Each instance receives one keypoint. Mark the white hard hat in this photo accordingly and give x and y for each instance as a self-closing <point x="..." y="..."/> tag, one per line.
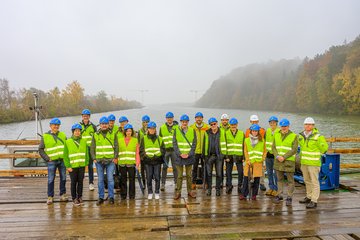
<point x="309" y="120"/>
<point x="254" y="118"/>
<point x="224" y="116"/>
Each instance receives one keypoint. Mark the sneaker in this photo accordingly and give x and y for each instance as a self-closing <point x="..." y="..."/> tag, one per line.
<point x="217" y="192"/>
<point x="242" y="197"/>
<point x="123" y="197"/>
<point x="76" y="202"/>
<point x="49" y="201"/>
<point x="177" y="196"/>
<point x="208" y="193"/>
<point x="306" y="200"/>
<point x="111" y="201"/>
<point x="274" y="193"/>
<point x="269" y="192"/>
<point x="150" y="196"/>
<point x="162" y="188"/>
<point x="262" y="187"/>
<point x="311" y="205"/>
<point x="253" y="198"/>
<point x="63" y="198"/>
<point x="288" y="201"/>
<point x="91" y="187"/>
<point x="229" y="189"/>
<point x="192" y="194"/>
<point x="81" y="201"/>
<point x="157" y="196"/>
<point x="239" y="190"/>
<point x="278" y="199"/>
<point x="100" y="201"/>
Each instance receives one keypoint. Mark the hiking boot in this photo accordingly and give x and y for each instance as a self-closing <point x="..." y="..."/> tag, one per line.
<point x="64" y="198"/>
<point x="253" y="198"/>
<point x="81" y="201"/>
<point x="229" y="189"/>
<point x="311" y="205"/>
<point x="262" y="187"/>
<point x="193" y="186"/>
<point x="217" y="192"/>
<point x="76" y="202"/>
<point x="99" y="201"/>
<point x="269" y="192"/>
<point x="111" y="201"/>
<point x="288" y="201"/>
<point x="274" y="193"/>
<point x="192" y="194"/>
<point x="123" y="197"/>
<point x="239" y="190"/>
<point x="50" y="200"/>
<point x="150" y="196"/>
<point x="208" y="193"/>
<point x="306" y="200"/>
<point x="162" y="188"/>
<point x="177" y="196"/>
<point x="242" y="197"/>
<point x="91" y="187"/>
<point x="277" y="199"/>
<point x="157" y="196"/>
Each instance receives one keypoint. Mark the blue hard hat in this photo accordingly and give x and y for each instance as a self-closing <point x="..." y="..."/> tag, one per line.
<point x="145" y="118"/>
<point x="128" y="126"/>
<point x="85" y="112"/>
<point x="273" y="118"/>
<point x="151" y="125"/>
<point x="255" y="127"/>
<point x="55" y="121"/>
<point x="104" y="119"/>
<point x="284" y="122"/>
<point x="211" y="120"/>
<point x="199" y="114"/>
<point x="184" y="118"/>
<point x="233" y="121"/>
<point x="76" y="126"/>
<point x="111" y="117"/>
<point x="123" y="119"/>
<point x="169" y="115"/>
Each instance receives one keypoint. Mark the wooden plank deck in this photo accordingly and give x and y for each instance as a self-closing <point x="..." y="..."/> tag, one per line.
<point x="25" y="215"/>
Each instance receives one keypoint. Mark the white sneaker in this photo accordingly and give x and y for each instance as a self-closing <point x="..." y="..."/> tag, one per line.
<point x="91" y="187"/>
<point x="63" y="198"/>
<point x="157" y="196"/>
<point x="150" y="195"/>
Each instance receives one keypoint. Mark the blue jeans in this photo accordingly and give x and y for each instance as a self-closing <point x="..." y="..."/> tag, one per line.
<point x="52" y="166"/>
<point x="110" y="168"/>
<point x="269" y="162"/>
<point x="153" y="172"/>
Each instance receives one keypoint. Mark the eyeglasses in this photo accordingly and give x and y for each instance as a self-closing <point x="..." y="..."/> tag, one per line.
<point x="213" y="124"/>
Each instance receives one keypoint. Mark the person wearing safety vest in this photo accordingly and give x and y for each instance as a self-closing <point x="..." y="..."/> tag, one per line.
<point x="269" y="162"/>
<point x="105" y="150"/>
<point x="312" y="146"/>
<point x="166" y="133"/>
<point x="140" y="135"/>
<point x="235" y="145"/>
<point x="254" y="119"/>
<point x="129" y="158"/>
<point x="184" y="143"/>
<point x="225" y="126"/>
<point x="122" y="121"/>
<point x="255" y="153"/>
<point x="214" y="151"/>
<point x="151" y="152"/>
<point x="112" y="126"/>
<point x="88" y="130"/>
<point x="284" y="148"/>
<point x="76" y="157"/>
<point x="200" y="128"/>
<point x="51" y="149"/>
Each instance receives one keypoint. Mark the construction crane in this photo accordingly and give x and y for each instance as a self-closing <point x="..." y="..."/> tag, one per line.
<point x="142" y="91"/>
<point x="195" y="93"/>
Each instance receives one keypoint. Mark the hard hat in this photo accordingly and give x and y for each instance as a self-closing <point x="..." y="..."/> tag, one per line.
<point x="128" y="126"/>
<point x="255" y="127"/>
<point x="85" y="112"/>
<point x="224" y="116"/>
<point x="76" y="126"/>
<point x="55" y="121"/>
<point x="169" y="115"/>
<point x="254" y="118"/>
<point x="123" y="119"/>
<point x="104" y="120"/>
<point x="284" y="122"/>
<point x="233" y="121"/>
<point x="145" y="118"/>
<point x="199" y="114"/>
<point x="211" y="120"/>
<point x="184" y="118"/>
<point x="111" y="117"/>
<point x="273" y="118"/>
<point x="151" y="125"/>
<point x="309" y="120"/>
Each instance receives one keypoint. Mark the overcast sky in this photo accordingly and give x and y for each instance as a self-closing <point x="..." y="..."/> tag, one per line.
<point x="164" y="46"/>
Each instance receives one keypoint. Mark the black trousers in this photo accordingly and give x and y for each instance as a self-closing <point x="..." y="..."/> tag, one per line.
<point x="153" y="172"/>
<point x="198" y="159"/>
<point x="255" y="187"/>
<point x="126" y="172"/>
<point x="143" y="172"/>
<point x="216" y="161"/>
<point x="77" y="178"/>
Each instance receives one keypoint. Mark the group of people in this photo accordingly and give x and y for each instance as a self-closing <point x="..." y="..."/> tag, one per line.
<point x="198" y="148"/>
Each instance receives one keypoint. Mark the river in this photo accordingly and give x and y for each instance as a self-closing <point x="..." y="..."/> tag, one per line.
<point x="329" y="125"/>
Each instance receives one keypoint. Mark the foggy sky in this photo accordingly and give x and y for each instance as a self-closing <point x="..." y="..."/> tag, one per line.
<point x="167" y="47"/>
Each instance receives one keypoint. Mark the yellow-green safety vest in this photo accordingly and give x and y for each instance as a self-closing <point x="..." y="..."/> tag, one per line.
<point x="183" y="145"/>
<point x="76" y="153"/>
<point x="234" y="144"/>
<point x="54" y="148"/>
<point x="167" y="136"/>
<point x="283" y="147"/>
<point x="269" y="138"/>
<point x="152" y="149"/>
<point x="256" y="152"/>
<point x="312" y="148"/>
<point x="127" y="154"/>
<point x="87" y="132"/>
<point x="200" y="136"/>
<point x="104" y="146"/>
